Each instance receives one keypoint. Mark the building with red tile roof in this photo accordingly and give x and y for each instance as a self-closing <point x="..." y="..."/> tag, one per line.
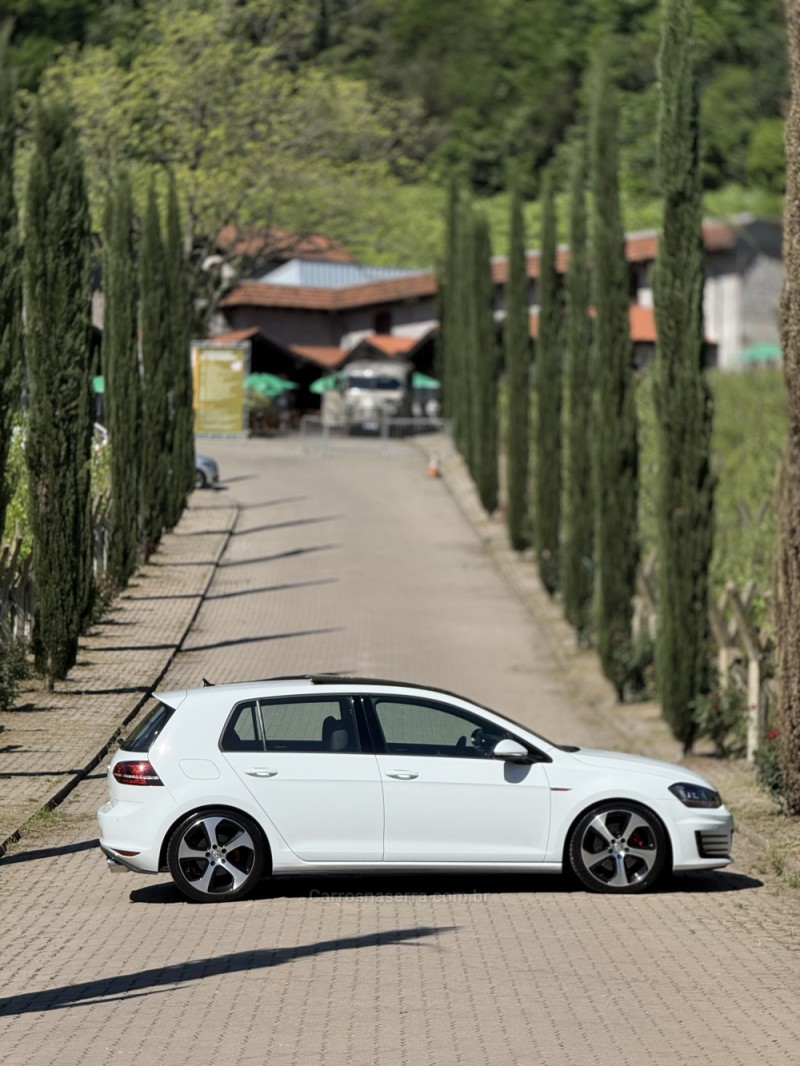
<point x="323" y="310"/>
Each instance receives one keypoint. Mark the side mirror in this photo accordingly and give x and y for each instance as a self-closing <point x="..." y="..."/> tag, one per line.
<point x="511" y="751"/>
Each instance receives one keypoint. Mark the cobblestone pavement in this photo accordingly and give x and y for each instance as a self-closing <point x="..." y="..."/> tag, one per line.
<point x="356" y="561"/>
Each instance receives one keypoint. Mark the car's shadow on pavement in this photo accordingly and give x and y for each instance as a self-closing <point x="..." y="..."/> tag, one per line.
<point x="445" y="888"/>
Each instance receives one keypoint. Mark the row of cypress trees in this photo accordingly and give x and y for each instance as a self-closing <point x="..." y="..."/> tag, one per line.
<point x="149" y="399"/>
<point x="470" y="353"/>
<point x="149" y="383"/>
<point x="585" y="532"/>
<point x="10" y="269"/>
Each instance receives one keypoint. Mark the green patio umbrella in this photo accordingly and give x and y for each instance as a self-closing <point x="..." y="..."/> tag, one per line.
<point x="760" y="353"/>
<point x="424" y="381"/>
<point x="98" y="385"/>
<point x="268" y="384"/>
<point x="326" y="383"/>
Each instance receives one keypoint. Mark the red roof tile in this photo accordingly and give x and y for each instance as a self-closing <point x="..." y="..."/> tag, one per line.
<point x="642" y="323"/>
<point x="235" y="335"/>
<point x="639" y="248"/>
<point x="327" y="356"/>
<point x="304" y="297"/>
<point x="390" y="344"/>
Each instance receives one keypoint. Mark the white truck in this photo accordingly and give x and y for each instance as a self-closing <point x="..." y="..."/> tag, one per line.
<point x="375" y="391"/>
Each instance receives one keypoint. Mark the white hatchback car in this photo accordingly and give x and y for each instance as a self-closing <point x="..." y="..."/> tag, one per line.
<point x="224" y="784"/>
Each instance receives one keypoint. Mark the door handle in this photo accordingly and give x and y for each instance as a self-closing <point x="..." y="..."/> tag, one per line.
<point x="402" y="775"/>
<point x="260" y="771"/>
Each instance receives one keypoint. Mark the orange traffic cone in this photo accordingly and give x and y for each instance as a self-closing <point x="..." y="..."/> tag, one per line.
<point x="433" y="467"/>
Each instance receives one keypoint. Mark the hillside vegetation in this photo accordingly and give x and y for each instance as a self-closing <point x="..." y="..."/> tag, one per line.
<point x="347" y="116"/>
<point x="747" y="444"/>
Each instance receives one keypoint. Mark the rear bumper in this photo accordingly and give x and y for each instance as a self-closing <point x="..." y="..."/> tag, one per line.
<point x="118" y="863"/>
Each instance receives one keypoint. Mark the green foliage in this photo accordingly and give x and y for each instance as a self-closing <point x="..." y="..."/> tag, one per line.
<point x="14" y="666"/>
<point x="639" y="663"/>
<point x="518" y="389"/>
<point x="123" y="383"/>
<point x="59" y="435"/>
<point x="155" y="377"/>
<point x="467" y="311"/>
<point x="347" y="116"/>
<point x="547" y="521"/>
<point x="16" y="475"/>
<point x="42" y="27"/>
<point x="486" y="428"/>
<point x="721" y="715"/>
<point x="747" y="442"/>
<point x="616" y="456"/>
<point x="10" y="273"/>
<point x="181" y="478"/>
<point x="768" y="768"/>
<point x="685" y="495"/>
<point x="728" y="114"/>
<point x="459" y="325"/>
<point x="576" y="563"/>
<point x="766" y="167"/>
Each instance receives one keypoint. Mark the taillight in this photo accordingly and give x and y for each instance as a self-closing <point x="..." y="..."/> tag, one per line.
<point x="136" y="773"/>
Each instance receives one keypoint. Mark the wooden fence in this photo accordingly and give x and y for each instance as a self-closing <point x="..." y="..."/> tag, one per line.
<point x="743" y="648"/>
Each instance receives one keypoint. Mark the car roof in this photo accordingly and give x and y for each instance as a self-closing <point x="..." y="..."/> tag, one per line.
<point x="296" y="683"/>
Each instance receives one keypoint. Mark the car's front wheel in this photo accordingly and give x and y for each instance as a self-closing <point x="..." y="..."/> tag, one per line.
<point x="618" y="847"/>
<point x="215" y="855"/>
<point x="200" y="481"/>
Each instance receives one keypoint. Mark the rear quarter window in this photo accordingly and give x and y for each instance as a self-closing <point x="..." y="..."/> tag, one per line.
<point x="144" y="735"/>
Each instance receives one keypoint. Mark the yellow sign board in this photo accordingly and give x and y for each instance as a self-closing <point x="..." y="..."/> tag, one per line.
<point x="218" y="372"/>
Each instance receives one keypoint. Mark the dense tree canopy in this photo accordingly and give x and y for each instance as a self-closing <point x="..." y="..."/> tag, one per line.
<point x="348" y="115"/>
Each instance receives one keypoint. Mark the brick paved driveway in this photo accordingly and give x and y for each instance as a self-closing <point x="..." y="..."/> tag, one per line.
<point x="358" y="562"/>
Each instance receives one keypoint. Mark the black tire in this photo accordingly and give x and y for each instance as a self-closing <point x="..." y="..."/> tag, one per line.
<point x="216" y="855"/>
<point x="618" y="847"/>
<point x="199" y="479"/>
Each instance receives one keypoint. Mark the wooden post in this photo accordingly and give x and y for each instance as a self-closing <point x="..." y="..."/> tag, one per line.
<point x="752" y="646"/>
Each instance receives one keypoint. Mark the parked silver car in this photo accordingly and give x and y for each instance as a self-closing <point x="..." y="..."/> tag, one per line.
<point x="206" y="472"/>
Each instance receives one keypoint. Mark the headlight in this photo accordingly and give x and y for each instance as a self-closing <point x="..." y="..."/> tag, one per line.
<point x="696" y="795"/>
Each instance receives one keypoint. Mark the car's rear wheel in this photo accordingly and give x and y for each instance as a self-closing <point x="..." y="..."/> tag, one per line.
<point x="618" y="847"/>
<point x="199" y="479"/>
<point x="215" y="855"/>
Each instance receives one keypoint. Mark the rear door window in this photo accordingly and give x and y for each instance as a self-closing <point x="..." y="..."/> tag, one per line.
<point x="306" y="725"/>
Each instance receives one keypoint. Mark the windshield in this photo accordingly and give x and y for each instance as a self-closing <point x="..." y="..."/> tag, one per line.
<point x="519" y="725"/>
<point x="383" y="383"/>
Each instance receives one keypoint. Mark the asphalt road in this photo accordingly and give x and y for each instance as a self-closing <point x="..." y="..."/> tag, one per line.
<point x="356" y="561"/>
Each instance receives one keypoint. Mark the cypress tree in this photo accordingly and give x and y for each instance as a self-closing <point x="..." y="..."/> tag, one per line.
<point x="578" y="519"/>
<point x="457" y="325"/>
<point x="788" y="570"/>
<point x="517" y="363"/>
<point x="123" y="383"/>
<point x="10" y="272"/>
<point x="486" y="379"/>
<point x="682" y="398"/>
<point x="615" y="438"/>
<point x="155" y="377"/>
<point x="58" y="448"/>
<point x="470" y="315"/>
<point x="547" y="520"/>
<point x="465" y="349"/>
<point x="447" y="317"/>
<point x="181" y="480"/>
